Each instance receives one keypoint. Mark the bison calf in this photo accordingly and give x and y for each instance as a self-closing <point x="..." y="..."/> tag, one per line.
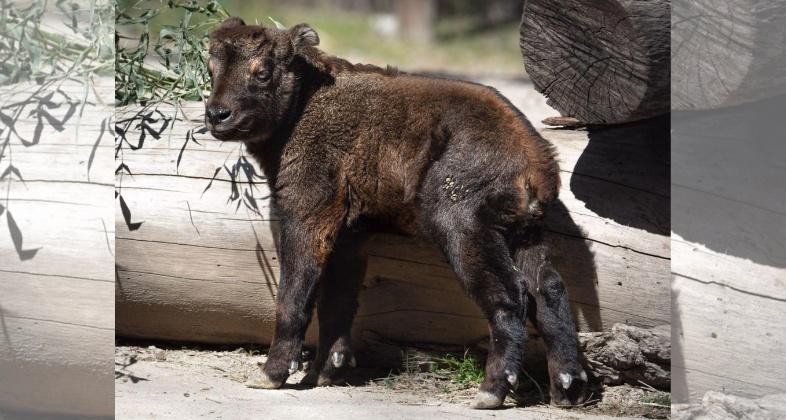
<point x="349" y="150"/>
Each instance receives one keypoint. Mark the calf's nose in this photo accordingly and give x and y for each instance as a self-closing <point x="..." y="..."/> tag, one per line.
<point x="217" y="114"/>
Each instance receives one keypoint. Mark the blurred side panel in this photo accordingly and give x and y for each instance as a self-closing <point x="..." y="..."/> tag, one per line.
<point x="56" y="209"/>
<point x="728" y="200"/>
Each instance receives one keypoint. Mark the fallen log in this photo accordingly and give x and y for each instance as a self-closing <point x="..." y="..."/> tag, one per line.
<point x="601" y="62"/>
<point x="56" y="277"/>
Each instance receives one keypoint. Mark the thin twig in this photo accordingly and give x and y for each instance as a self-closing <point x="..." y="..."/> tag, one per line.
<point x="655" y="405"/>
<point x="648" y="386"/>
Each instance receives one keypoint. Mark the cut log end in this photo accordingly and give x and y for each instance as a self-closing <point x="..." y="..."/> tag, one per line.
<point x="727" y="54"/>
<point x="602" y="62"/>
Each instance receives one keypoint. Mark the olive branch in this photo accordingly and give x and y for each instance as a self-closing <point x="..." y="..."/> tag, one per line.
<point x="157" y="67"/>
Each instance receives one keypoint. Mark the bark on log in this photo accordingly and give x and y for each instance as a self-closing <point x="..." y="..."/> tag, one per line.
<point x="727" y="53"/>
<point x="198" y="270"/>
<point x="600" y="61"/>
<point x="629" y="354"/>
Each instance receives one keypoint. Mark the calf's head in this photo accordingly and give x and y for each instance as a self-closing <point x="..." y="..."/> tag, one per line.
<point x="253" y="83"/>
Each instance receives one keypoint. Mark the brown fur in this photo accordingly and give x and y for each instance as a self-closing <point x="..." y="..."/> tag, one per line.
<point x="351" y="149"/>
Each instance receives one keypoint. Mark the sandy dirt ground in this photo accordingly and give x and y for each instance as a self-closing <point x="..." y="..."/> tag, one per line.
<point x="189" y="383"/>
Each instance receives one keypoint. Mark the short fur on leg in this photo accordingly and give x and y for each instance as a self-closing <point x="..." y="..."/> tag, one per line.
<point x="303" y="259"/>
<point x="336" y="308"/>
<point x="481" y="258"/>
<point x="551" y="315"/>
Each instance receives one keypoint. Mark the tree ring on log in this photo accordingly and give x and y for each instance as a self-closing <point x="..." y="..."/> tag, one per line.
<point x="599" y="61"/>
<point x="727" y="54"/>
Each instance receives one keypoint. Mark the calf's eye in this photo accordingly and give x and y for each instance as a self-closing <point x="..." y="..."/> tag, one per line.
<point x="263" y="75"/>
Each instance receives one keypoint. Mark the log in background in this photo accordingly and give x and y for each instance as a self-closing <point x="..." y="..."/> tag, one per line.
<point x="600" y="61"/>
<point x="199" y="270"/>
<point x="727" y="53"/>
<point x="728" y="225"/>
<point x="728" y="251"/>
<point x="57" y="308"/>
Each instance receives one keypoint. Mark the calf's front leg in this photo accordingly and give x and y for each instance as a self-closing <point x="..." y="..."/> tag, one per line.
<point x="337" y="303"/>
<point x="304" y="248"/>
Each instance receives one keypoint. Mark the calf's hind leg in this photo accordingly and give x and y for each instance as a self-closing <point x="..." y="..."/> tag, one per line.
<point x="337" y="303"/>
<point x="550" y="313"/>
<point x="482" y="262"/>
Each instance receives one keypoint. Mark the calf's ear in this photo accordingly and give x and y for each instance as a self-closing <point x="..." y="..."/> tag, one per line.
<point x="231" y="22"/>
<point x="303" y="36"/>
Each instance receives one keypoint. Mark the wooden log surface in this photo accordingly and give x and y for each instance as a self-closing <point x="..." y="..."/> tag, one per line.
<point x="56" y="306"/>
<point x="727" y="332"/>
<point x="201" y="269"/>
<point x="726" y="53"/>
<point x="728" y="252"/>
<point x="599" y="61"/>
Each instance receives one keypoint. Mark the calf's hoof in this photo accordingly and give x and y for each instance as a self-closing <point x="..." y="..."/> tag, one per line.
<point x="262" y="381"/>
<point x="331" y="372"/>
<point x="315" y="378"/>
<point x="568" y="388"/>
<point x="485" y="400"/>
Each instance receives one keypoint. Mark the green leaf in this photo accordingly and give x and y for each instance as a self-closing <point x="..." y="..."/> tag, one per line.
<point x="277" y="23"/>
